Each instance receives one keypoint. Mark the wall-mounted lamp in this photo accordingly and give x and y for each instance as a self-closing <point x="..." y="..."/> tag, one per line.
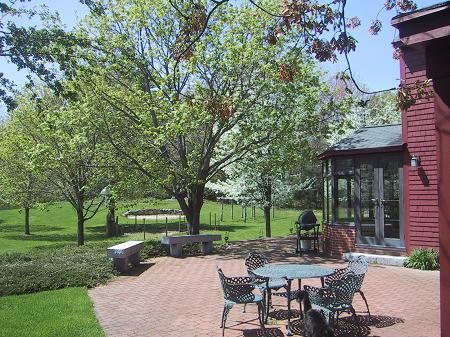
<point x="415" y="161"/>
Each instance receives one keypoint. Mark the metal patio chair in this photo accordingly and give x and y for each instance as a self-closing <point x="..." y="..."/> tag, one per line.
<point x="239" y="290"/>
<point x="256" y="260"/>
<point x="359" y="267"/>
<point x="335" y="298"/>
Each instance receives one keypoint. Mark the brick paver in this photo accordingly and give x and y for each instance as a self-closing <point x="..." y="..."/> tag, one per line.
<point x="183" y="297"/>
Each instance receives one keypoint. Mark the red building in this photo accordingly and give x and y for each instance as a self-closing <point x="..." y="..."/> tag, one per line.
<point x="387" y="189"/>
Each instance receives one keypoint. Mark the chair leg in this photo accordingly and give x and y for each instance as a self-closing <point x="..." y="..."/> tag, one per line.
<point x="226" y="309"/>
<point x="365" y="301"/>
<point x="265" y="304"/>
<point x="330" y="319"/>
<point x="352" y="310"/>
<point x="269" y="298"/>
<point x="261" y="313"/>
<point x="245" y="304"/>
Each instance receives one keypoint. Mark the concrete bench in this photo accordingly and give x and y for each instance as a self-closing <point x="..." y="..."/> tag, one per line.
<point x="176" y="242"/>
<point x="124" y="253"/>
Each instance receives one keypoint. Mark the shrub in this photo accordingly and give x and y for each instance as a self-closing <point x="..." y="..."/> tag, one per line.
<point x="424" y="259"/>
<point x="153" y="248"/>
<point x="49" y="269"/>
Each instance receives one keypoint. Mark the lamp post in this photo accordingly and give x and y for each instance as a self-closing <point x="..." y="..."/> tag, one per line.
<point x="111" y="226"/>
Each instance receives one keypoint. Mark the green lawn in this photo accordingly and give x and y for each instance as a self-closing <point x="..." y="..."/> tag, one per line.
<point x="67" y="312"/>
<point x="56" y="225"/>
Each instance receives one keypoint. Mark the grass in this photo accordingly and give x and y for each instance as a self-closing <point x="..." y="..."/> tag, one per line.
<point x="56" y="225"/>
<point x="67" y="312"/>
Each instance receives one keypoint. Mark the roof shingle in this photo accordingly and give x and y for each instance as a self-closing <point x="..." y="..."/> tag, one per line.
<point x="370" y="137"/>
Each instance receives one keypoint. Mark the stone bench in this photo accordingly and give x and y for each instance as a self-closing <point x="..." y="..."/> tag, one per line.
<point x="124" y="253"/>
<point x="176" y="242"/>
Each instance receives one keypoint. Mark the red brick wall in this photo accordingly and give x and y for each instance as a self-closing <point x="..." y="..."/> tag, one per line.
<point x="421" y="212"/>
<point x="338" y="239"/>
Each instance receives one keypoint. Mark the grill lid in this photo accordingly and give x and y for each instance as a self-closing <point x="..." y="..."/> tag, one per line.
<point x="307" y="218"/>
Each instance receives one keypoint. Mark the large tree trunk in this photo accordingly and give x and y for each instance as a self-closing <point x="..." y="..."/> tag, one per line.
<point x="80" y="228"/>
<point x="27" y="220"/>
<point x="192" y="206"/>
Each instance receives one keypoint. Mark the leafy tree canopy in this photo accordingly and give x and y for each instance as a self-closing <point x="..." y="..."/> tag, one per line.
<point x="181" y="120"/>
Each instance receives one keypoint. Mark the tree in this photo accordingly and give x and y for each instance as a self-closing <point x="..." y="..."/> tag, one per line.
<point x="45" y="51"/>
<point x="275" y="172"/>
<point x="34" y="48"/>
<point x="382" y="109"/>
<point x="66" y="146"/>
<point x="181" y="121"/>
<point x="20" y="184"/>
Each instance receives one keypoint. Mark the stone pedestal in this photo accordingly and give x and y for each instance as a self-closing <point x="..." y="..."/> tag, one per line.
<point x="207" y="247"/>
<point x="176" y="250"/>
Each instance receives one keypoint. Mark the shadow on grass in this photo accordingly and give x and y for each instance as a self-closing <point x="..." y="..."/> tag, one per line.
<point x="52" y="237"/>
<point x="95" y="229"/>
<point x="14" y="228"/>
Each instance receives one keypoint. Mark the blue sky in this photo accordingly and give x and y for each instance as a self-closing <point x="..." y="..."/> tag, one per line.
<point x="372" y="63"/>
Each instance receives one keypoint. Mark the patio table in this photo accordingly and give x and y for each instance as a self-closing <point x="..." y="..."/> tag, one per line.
<point x="292" y="272"/>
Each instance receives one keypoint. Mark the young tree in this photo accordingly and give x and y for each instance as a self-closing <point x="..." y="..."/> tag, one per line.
<point x="182" y="120"/>
<point x="66" y="146"/>
<point x="20" y="184"/>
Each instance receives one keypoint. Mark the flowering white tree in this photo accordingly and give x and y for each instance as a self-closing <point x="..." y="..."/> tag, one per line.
<point x="272" y="173"/>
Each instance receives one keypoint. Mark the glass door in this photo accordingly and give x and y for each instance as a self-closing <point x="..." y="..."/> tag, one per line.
<point x="378" y="202"/>
<point x="368" y="220"/>
<point x="390" y="203"/>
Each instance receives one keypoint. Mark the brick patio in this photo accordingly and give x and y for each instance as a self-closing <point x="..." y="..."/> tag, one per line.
<point x="182" y="297"/>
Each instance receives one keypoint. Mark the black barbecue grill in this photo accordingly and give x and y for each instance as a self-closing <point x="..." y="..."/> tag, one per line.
<point x="307" y="230"/>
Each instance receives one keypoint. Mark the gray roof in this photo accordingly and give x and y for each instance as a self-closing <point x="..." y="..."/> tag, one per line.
<point x="371" y="137"/>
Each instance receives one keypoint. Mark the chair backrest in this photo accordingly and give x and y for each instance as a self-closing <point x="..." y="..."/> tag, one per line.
<point x="344" y="289"/>
<point x="253" y="261"/>
<point x="236" y="289"/>
<point x="359" y="266"/>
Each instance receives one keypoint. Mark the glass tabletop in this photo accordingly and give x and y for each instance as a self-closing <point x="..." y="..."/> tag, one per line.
<point x="293" y="271"/>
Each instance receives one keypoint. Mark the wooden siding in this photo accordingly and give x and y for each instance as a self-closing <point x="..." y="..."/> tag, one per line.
<point x="421" y="220"/>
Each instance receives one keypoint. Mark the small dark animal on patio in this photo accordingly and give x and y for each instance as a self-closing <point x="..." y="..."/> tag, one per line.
<point x="315" y="325"/>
